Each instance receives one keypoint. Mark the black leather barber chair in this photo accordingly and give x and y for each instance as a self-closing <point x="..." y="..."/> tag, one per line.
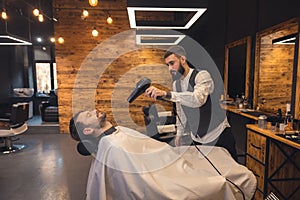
<point x="12" y="125"/>
<point x="159" y="125"/>
<point x="49" y="108"/>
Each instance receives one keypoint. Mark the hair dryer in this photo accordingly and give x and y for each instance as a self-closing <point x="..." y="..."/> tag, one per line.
<point x="140" y="88"/>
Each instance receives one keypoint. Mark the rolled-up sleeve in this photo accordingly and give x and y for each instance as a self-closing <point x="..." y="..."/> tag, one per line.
<point x="204" y="86"/>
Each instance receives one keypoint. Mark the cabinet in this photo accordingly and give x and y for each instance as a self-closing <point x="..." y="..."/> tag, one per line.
<point x="274" y="162"/>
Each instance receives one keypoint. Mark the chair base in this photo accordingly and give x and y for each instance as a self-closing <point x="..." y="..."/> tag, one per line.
<point x="11" y="149"/>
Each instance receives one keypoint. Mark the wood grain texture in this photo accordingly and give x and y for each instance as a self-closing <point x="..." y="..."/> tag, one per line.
<point x="273" y="74"/>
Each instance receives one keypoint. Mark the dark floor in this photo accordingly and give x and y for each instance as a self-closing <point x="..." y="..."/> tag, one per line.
<point x="49" y="168"/>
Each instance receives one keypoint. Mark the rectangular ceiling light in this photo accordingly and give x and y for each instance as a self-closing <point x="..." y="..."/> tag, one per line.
<point x="194" y="15"/>
<point x="289" y="39"/>
<point x="10" y="40"/>
<point x="160" y="37"/>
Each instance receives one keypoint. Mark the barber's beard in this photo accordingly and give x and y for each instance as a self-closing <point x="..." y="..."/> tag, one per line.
<point x="176" y="75"/>
<point x="102" y="120"/>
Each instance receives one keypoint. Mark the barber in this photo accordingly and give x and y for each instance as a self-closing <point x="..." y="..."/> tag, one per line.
<point x="197" y="107"/>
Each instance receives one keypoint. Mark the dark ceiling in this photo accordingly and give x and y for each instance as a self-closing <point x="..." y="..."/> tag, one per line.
<point x="21" y="22"/>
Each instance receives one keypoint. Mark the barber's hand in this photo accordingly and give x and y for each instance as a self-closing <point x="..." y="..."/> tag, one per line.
<point x="178" y="141"/>
<point x="154" y="92"/>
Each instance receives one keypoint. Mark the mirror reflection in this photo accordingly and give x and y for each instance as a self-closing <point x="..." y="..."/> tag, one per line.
<point x="237" y="66"/>
<point x="275" y="50"/>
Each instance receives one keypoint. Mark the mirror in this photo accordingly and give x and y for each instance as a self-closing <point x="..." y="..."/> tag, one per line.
<point x="237" y="67"/>
<point x="274" y="64"/>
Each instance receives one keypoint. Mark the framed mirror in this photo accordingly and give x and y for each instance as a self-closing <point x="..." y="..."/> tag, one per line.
<point x="274" y="67"/>
<point x="237" y="67"/>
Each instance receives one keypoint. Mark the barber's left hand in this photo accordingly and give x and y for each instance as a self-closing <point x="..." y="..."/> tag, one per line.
<point x="154" y="92"/>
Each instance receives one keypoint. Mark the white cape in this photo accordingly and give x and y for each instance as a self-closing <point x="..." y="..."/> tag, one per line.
<point x="130" y="165"/>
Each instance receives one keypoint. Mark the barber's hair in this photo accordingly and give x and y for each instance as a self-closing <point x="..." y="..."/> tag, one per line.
<point x="177" y="50"/>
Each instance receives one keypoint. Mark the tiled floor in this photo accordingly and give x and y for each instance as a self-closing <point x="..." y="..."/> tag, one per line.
<point x="49" y="168"/>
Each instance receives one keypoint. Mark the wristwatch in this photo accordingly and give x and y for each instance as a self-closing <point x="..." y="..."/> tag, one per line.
<point x="168" y="95"/>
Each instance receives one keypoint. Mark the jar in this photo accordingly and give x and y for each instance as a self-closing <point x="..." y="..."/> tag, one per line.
<point x="262" y="121"/>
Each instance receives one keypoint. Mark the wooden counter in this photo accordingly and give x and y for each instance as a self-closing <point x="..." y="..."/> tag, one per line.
<point x="272" y="134"/>
<point x="235" y="110"/>
<point x="275" y="161"/>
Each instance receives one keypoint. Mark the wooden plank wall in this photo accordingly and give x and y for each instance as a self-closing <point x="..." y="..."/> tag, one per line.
<point x="101" y="72"/>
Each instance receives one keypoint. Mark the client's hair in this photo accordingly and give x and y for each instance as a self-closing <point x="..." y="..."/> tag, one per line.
<point x="86" y="144"/>
<point x="73" y="127"/>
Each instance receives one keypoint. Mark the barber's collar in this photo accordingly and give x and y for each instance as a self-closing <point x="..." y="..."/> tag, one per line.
<point x="187" y="78"/>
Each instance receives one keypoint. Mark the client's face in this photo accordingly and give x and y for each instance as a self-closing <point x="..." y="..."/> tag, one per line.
<point x="92" y="119"/>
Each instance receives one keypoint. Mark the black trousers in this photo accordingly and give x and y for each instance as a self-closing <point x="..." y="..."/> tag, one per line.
<point x="226" y="140"/>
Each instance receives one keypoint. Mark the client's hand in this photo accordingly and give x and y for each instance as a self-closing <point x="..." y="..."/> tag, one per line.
<point x="154" y="92"/>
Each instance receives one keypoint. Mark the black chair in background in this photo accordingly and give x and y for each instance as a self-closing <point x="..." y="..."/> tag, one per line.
<point x="12" y="125"/>
<point x="49" y="108"/>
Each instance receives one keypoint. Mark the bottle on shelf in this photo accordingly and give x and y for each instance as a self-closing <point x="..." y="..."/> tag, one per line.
<point x="289" y="122"/>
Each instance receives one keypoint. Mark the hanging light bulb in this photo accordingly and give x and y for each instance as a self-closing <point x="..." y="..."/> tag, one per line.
<point x="84" y="14"/>
<point x="93" y="2"/>
<point x="95" y="33"/>
<point x="41" y="18"/>
<point x="52" y="39"/>
<point x="109" y="20"/>
<point x="36" y="12"/>
<point x="60" y="40"/>
<point x="4" y="14"/>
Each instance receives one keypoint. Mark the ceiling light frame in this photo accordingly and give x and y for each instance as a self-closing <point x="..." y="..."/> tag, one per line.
<point x="139" y="39"/>
<point x="17" y="41"/>
<point x="155" y="34"/>
<point x="132" y="19"/>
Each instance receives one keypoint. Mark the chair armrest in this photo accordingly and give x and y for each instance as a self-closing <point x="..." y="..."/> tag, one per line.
<point x="44" y="104"/>
<point x="4" y="120"/>
<point x="4" y="124"/>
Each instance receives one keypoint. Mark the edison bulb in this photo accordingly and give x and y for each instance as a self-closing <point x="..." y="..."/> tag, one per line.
<point x="109" y="20"/>
<point x="60" y="40"/>
<point x="36" y="12"/>
<point x="93" y="2"/>
<point x="95" y="33"/>
<point x="41" y="18"/>
<point x="4" y="15"/>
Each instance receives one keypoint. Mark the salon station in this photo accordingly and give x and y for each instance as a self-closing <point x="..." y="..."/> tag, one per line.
<point x="59" y="58"/>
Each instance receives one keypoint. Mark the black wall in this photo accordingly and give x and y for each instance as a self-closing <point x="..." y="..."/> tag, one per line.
<point x="14" y="63"/>
<point x="226" y="21"/>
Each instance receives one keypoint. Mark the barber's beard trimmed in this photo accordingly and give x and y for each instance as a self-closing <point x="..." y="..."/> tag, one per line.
<point x="176" y="75"/>
<point x="102" y="120"/>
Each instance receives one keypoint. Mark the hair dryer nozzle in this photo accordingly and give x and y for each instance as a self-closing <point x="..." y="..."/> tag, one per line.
<point x="140" y="88"/>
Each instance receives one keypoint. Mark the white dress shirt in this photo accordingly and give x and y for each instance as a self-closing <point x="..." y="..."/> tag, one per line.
<point x="204" y="86"/>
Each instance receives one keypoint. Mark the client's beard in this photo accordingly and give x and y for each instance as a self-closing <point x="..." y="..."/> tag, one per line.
<point x="102" y="120"/>
<point x="176" y="75"/>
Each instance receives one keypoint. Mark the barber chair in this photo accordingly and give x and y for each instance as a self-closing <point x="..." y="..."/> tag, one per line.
<point x="12" y="125"/>
<point x="49" y="113"/>
<point x="49" y="109"/>
<point x="159" y="125"/>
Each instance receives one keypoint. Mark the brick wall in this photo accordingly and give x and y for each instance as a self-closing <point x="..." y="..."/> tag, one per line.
<point x="100" y="72"/>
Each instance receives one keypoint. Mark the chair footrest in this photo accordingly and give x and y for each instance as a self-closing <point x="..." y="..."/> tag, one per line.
<point x="12" y="149"/>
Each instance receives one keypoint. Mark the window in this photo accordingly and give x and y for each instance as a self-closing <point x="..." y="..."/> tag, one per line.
<point x="46" y="77"/>
<point x="45" y="69"/>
